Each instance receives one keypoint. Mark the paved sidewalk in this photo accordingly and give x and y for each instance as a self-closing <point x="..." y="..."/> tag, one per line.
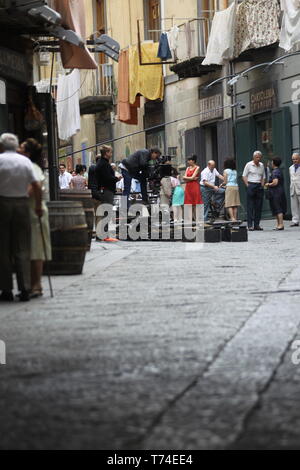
<point x="159" y="346"/>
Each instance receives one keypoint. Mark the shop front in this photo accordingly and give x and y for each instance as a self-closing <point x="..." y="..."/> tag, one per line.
<point x="267" y="128"/>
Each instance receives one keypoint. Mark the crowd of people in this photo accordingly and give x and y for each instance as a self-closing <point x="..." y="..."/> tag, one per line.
<point x="24" y="229"/>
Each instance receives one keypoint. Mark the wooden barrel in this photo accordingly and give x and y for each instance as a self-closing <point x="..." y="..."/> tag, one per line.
<point x="69" y="238"/>
<point x="84" y="196"/>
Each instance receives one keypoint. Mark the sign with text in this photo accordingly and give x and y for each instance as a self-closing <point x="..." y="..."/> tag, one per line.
<point x="263" y="99"/>
<point x="211" y="108"/>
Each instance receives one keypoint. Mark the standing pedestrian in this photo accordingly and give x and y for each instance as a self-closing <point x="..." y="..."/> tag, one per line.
<point x="165" y="187"/>
<point x="106" y="181"/>
<point x="78" y="182"/>
<point x="232" y="195"/>
<point x="64" y="177"/>
<point x="209" y="188"/>
<point x="39" y="252"/>
<point x="276" y="194"/>
<point x="193" y="198"/>
<point x="254" y="179"/>
<point x="295" y="189"/>
<point x="93" y="186"/>
<point x="178" y="197"/>
<point x="16" y="174"/>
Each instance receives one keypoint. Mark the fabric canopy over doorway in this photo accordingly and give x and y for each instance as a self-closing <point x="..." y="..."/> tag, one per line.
<point x="73" y="17"/>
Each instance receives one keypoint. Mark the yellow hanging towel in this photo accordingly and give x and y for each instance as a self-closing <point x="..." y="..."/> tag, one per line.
<point x="146" y="80"/>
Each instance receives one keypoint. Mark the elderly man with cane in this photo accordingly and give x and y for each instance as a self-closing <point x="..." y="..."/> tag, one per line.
<point x="16" y="174"/>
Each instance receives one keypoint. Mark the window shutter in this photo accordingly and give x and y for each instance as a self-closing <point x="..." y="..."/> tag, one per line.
<point x="195" y="144"/>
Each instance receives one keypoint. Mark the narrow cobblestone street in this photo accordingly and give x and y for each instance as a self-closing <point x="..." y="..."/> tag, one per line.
<point x="159" y="346"/>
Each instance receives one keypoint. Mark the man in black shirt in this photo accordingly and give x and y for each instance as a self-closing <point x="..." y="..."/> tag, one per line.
<point x="137" y="166"/>
<point x="106" y="182"/>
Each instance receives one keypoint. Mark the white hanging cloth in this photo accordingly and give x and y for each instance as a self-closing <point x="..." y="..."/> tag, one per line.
<point x="290" y="28"/>
<point x="67" y="105"/>
<point x="221" y="40"/>
<point x="173" y="35"/>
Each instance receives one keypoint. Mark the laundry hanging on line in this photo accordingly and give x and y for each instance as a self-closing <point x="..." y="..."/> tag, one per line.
<point x="67" y="105"/>
<point x="164" y="51"/>
<point x="146" y="80"/>
<point x="257" y="25"/>
<point x="127" y="113"/>
<point x="290" y="27"/>
<point x="221" y="40"/>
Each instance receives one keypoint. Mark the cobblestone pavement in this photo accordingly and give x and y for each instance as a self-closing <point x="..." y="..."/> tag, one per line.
<point x="159" y="346"/>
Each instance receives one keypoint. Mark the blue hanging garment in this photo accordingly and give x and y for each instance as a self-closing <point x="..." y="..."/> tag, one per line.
<point x="164" y="51"/>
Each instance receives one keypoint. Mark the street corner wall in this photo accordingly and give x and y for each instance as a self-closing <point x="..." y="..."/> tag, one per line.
<point x="181" y="100"/>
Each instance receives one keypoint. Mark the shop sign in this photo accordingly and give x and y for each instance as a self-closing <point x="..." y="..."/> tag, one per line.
<point x="211" y="108"/>
<point x="263" y="99"/>
<point x="13" y="65"/>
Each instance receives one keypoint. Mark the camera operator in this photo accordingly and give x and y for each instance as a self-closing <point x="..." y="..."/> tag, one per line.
<point x="137" y="166"/>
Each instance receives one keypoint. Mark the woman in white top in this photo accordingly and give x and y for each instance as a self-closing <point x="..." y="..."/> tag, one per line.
<point x="33" y="150"/>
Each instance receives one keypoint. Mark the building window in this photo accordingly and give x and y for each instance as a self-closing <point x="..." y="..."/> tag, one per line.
<point x="152" y="18"/>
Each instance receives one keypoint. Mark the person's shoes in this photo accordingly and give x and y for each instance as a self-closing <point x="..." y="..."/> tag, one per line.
<point x="24" y="296"/>
<point x="111" y="240"/>
<point x="36" y="293"/>
<point x="251" y="229"/>
<point x="278" y="229"/>
<point x="294" y="225"/>
<point x="258" y="229"/>
<point x="6" y="296"/>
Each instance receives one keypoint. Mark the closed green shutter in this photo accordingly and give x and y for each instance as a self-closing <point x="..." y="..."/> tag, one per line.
<point x="282" y="143"/>
<point x="245" y="146"/>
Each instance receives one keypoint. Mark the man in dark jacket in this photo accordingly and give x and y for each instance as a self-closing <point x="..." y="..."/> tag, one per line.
<point x="106" y="183"/>
<point x="137" y="166"/>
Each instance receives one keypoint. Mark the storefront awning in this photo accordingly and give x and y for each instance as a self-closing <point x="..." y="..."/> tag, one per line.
<point x="73" y="17"/>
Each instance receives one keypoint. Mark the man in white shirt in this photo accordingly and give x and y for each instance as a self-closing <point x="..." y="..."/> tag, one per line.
<point x="16" y="175"/>
<point x="254" y="179"/>
<point x="64" y="177"/>
<point x="209" y="188"/>
<point x="295" y="189"/>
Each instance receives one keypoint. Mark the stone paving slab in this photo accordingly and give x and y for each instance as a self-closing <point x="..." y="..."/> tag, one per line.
<point x="158" y="346"/>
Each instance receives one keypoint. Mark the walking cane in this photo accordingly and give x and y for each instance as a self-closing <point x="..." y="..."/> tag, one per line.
<point x="45" y="253"/>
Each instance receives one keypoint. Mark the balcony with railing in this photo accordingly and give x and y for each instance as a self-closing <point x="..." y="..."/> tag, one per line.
<point x="192" y="48"/>
<point x="97" y="89"/>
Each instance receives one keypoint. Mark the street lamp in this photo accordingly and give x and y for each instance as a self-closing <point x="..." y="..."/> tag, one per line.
<point x="244" y="73"/>
<point x="276" y="61"/>
<point x="218" y="81"/>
